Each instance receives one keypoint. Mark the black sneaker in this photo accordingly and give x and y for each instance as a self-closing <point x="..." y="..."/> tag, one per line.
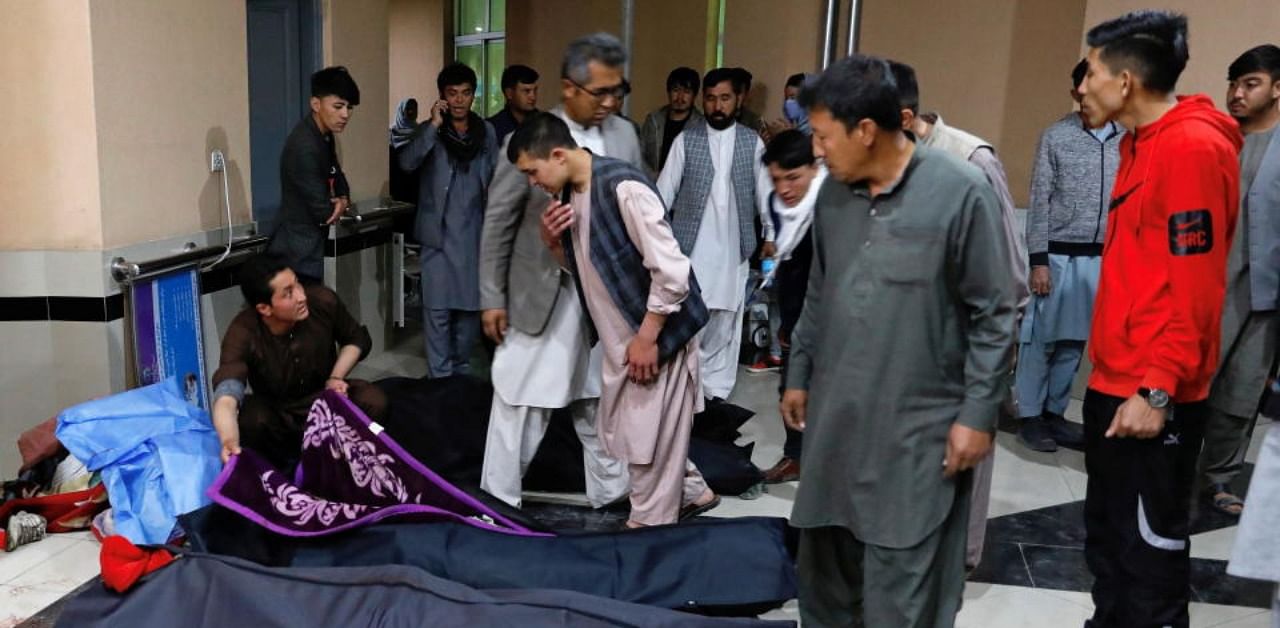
<point x="1034" y="434"/>
<point x="1064" y="432"/>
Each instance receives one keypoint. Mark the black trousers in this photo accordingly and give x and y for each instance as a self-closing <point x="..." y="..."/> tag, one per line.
<point x="1137" y="516"/>
<point x="792" y="447"/>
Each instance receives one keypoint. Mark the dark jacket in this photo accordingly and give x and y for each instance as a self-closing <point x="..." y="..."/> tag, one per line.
<point x="621" y="266"/>
<point x="310" y="177"/>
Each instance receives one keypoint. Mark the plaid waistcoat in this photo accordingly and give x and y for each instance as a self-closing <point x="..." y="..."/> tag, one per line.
<point x="620" y="265"/>
<point x="685" y="215"/>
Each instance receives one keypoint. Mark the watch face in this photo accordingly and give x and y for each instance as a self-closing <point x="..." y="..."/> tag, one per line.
<point x="1158" y="398"/>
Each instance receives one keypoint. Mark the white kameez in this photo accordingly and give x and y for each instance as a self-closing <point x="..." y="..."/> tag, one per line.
<point x="558" y="366"/>
<point x="533" y="375"/>
<point x="716" y="256"/>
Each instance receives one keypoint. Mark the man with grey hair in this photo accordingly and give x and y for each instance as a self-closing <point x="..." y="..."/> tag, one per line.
<point x="530" y="307"/>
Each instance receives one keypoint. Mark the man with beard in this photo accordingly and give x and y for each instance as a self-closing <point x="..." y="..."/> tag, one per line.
<point x="1249" y="323"/>
<point x="714" y="184"/>
<point x="1157" y="321"/>
<point x="662" y="126"/>
<point x="454" y="156"/>
<point x="520" y="87"/>
<point x="544" y="359"/>
<point x="313" y="190"/>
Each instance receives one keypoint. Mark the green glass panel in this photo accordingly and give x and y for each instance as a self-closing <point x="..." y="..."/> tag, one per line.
<point x="473" y="57"/>
<point x="496" y="61"/>
<point x="497" y="16"/>
<point x="471" y="17"/>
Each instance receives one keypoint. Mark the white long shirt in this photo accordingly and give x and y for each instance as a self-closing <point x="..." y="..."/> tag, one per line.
<point x="716" y="253"/>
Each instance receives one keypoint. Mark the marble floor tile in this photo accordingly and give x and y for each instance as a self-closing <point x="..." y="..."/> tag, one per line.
<point x="30" y="556"/>
<point x="1215" y="545"/>
<point x="17" y="603"/>
<point x="1214" y="615"/>
<point x="1002" y="563"/>
<point x="64" y="571"/>
<point x="1016" y="607"/>
<point x="1025" y="480"/>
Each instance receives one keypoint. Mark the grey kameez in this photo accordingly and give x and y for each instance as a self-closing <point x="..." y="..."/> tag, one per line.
<point x="451" y="204"/>
<point x="907" y="329"/>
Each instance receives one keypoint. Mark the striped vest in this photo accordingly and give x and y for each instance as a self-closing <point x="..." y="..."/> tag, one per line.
<point x="685" y="215"/>
<point x="620" y="265"/>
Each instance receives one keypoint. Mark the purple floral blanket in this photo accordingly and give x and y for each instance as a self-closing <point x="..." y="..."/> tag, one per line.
<point x="350" y="474"/>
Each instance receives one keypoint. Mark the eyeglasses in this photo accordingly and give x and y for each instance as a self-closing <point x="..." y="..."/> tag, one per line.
<point x="618" y="92"/>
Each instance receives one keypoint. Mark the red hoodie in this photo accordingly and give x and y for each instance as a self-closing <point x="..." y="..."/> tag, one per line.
<point x="1173" y="213"/>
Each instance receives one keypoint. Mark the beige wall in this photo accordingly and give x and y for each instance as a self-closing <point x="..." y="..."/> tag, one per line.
<point x="773" y="40"/>
<point x="170" y="85"/>
<point x="1219" y="31"/>
<point x="416" y="45"/>
<point x="662" y="44"/>
<point x="539" y="30"/>
<point x="1005" y="86"/>
<point x="48" y="147"/>
<point x="355" y="35"/>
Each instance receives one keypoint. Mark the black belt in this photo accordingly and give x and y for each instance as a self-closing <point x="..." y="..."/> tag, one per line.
<point x="1076" y="249"/>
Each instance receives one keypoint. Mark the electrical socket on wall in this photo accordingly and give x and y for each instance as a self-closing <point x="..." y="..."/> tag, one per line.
<point x="217" y="163"/>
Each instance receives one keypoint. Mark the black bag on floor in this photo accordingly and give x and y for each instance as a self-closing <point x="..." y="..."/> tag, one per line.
<point x="734" y="567"/>
<point x="206" y="591"/>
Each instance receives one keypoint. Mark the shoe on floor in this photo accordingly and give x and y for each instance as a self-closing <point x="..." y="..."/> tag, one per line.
<point x="766" y="365"/>
<point x="1064" y="432"/>
<point x="1035" y="434"/>
<point x="692" y="510"/>
<point x="787" y="470"/>
<point x="1224" y="500"/>
<point x="24" y="527"/>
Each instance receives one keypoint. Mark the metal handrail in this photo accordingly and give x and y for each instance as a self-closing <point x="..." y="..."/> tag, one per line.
<point x="124" y="271"/>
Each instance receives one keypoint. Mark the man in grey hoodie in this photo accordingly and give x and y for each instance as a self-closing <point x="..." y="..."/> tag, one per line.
<point x="1070" y="194"/>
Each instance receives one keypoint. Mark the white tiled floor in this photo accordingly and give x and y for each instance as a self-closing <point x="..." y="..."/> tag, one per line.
<point x="34" y="576"/>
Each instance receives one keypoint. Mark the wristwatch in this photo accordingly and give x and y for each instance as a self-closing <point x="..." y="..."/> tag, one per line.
<point x="1156" y="398"/>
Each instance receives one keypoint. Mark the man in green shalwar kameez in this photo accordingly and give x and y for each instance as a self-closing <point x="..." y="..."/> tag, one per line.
<point x="898" y="362"/>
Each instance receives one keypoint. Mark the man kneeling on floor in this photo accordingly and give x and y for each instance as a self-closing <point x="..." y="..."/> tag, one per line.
<point x="608" y="229"/>
<point x="289" y="344"/>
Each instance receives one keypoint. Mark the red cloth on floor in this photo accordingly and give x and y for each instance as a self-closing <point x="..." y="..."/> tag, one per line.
<point x="123" y="563"/>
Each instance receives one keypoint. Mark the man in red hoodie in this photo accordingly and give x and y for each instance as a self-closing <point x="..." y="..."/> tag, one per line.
<point x="1155" y="336"/>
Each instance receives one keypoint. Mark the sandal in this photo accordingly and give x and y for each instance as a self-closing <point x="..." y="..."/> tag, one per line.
<point x="1226" y="502"/>
<point x="693" y="510"/>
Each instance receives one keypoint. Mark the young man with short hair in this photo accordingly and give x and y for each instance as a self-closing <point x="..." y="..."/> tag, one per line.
<point x="454" y="155"/>
<point x="644" y="307"/>
<point x="544" y="359"/>
<point x="1156" y="330"/>
<point x="290" y="343"/>
<point x="1250" y="328"/>
<point x="520" y="88"/>
<point x="662" y="126"/>
<point x="313" y="190"/>
<point x="1066" y="225"/>
<point x="797" y="178"/>
<point x="898" y="363"/>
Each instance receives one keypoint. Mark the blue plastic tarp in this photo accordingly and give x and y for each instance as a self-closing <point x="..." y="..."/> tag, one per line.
<point x="157" y="454"/>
